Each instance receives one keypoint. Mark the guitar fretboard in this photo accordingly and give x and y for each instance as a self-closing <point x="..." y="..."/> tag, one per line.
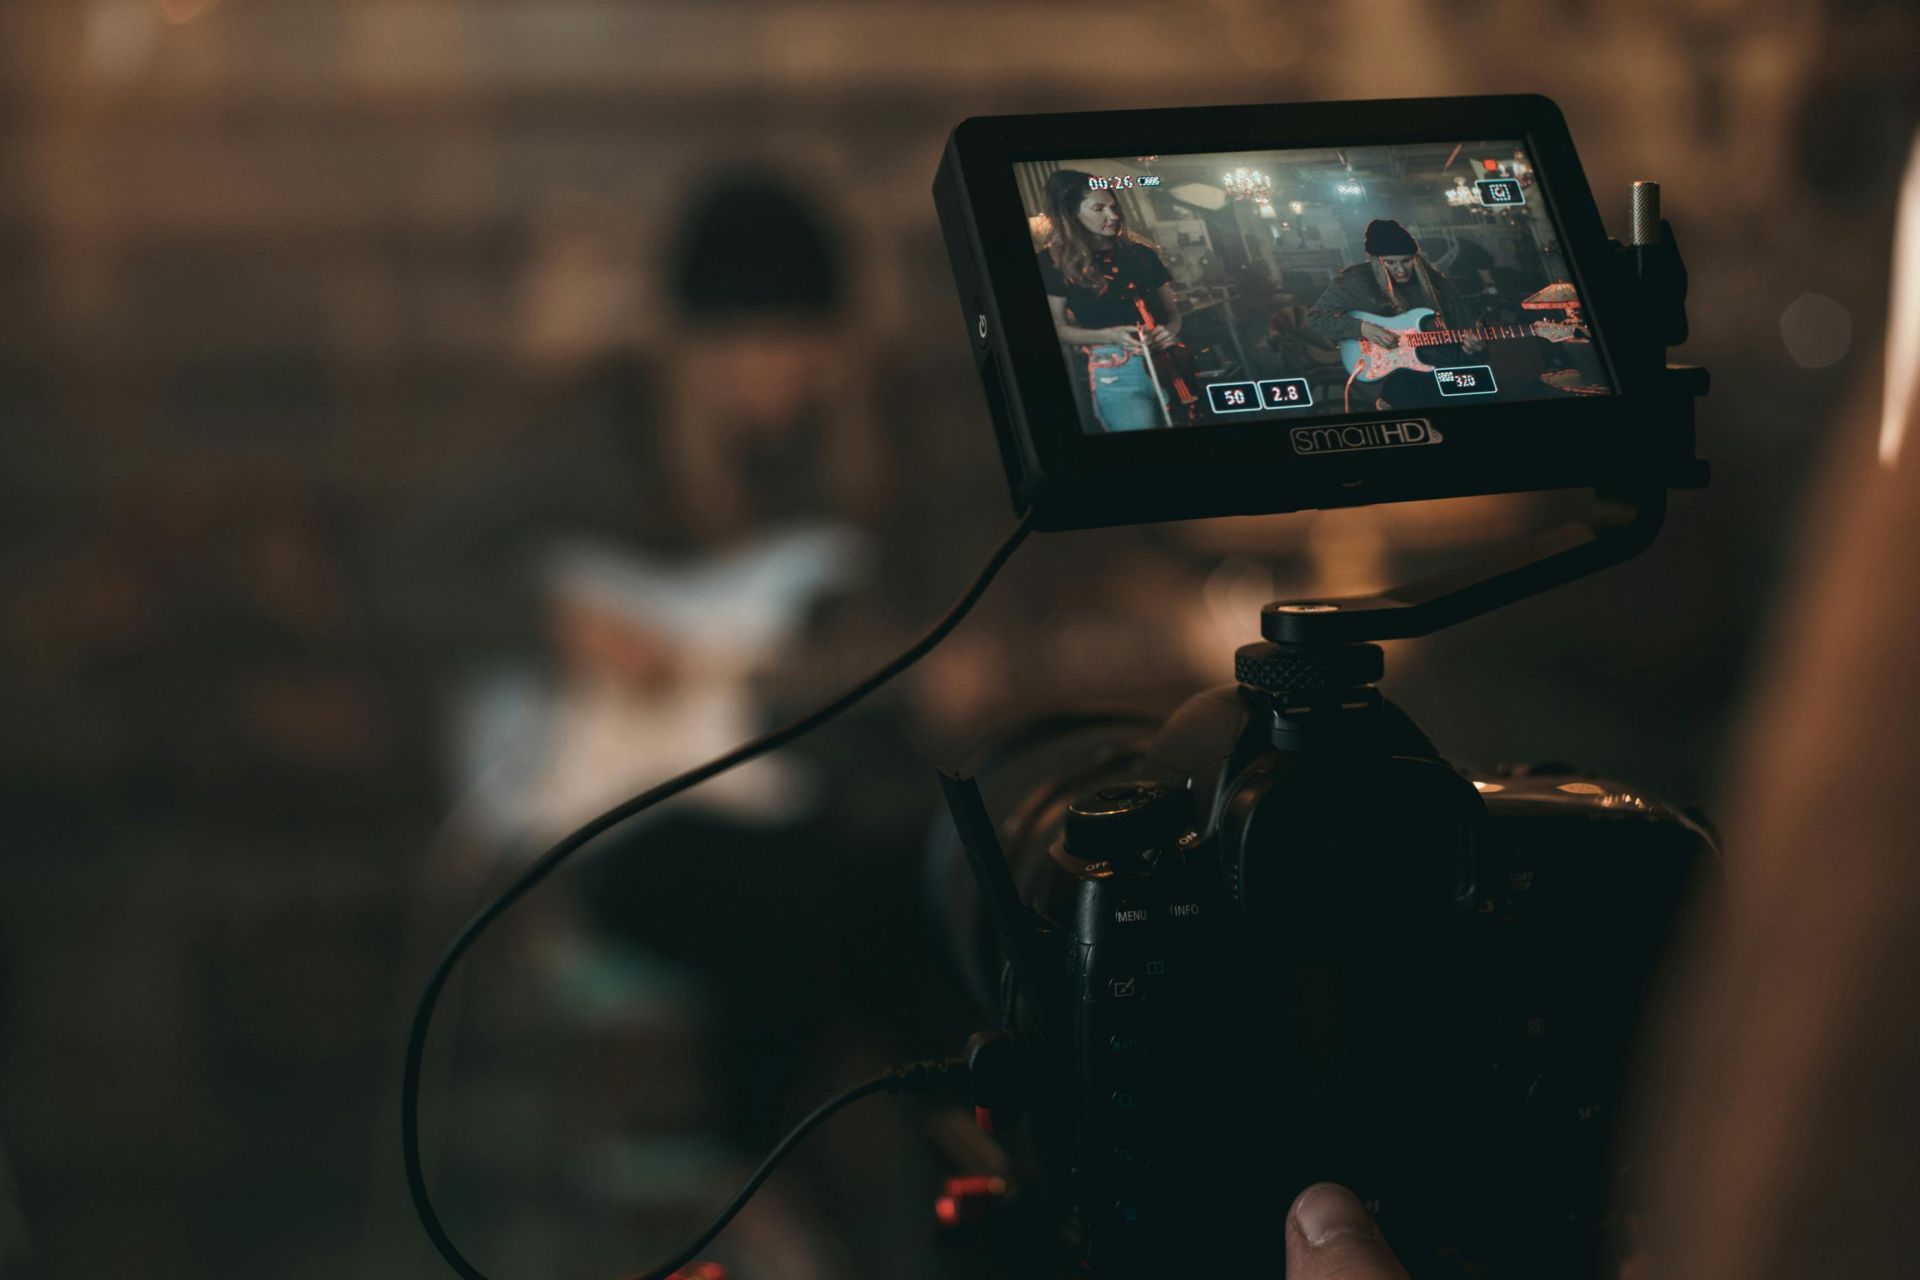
<point x="1487" y="333"/>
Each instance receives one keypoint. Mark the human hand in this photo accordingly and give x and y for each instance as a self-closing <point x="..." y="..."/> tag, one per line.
<point x="1472" y="346"/>
<point x="1375" y="334"/>
<point x="1331" y="1236"/>
<point x="1161" y="338"/>
<point x="1119" y="335"/>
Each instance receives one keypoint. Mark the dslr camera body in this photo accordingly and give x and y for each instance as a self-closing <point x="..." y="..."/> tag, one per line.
<point x="1274" y="942"/>
<point x="1280" y="938"/>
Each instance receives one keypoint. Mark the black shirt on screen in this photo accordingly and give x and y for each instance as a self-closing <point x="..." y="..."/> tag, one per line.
<point x="1128" y="263"/>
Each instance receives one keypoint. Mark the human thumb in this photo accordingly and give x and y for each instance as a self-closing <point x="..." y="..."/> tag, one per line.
<point x="1331" y="1236"/>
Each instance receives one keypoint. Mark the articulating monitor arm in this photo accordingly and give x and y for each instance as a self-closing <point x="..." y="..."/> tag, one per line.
<point x="1620" y="525"/>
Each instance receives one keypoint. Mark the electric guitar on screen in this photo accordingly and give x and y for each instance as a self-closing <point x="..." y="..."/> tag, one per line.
<point x="1369" y="361"/>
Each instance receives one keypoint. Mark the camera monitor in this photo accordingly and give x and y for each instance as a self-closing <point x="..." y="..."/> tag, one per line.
<point x="1253" y="309"/>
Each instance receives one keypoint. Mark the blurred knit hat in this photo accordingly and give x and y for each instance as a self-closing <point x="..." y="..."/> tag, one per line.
<point x="750" y="244"/>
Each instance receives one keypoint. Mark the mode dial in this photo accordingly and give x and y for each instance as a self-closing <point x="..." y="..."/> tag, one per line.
<point x="1129" y="824"/>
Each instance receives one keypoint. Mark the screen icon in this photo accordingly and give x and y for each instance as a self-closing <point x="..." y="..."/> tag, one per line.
<point x="1466" y="380"/>
<point x="1285" y="393"/>
<point x="1233" y="397"/>
<point x="1501" y="193"/>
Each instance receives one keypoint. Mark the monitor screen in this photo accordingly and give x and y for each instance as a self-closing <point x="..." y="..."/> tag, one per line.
<point x="1301" y="285"/>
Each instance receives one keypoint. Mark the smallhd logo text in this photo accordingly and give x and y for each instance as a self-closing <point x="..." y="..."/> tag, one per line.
<point x="1365" y="435"/>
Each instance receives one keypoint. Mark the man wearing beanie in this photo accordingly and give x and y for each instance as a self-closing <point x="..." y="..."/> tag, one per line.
<point x="1396" y="277"/>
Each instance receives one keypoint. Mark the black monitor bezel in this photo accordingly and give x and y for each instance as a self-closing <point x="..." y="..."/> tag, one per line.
<point x="1077" y="479"/>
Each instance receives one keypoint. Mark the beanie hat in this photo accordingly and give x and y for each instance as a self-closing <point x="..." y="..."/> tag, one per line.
<point x="749" y="244"/>
<point x="1386" y="237"/>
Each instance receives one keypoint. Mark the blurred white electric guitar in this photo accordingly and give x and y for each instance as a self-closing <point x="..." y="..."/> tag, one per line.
<point x="544" y="755"/>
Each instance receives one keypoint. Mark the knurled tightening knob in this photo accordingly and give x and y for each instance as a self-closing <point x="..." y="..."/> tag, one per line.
<point x="1291" y="669"/>
<point x="1643" y="214"/>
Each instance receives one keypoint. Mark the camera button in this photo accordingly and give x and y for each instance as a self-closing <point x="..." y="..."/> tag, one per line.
<point x="1186" y="914"/>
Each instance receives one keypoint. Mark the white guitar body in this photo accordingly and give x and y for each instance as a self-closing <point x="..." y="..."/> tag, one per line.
<point x="1368" y="361"/>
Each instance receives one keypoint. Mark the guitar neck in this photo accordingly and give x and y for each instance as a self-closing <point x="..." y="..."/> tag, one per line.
<point x="1486" y="333"/>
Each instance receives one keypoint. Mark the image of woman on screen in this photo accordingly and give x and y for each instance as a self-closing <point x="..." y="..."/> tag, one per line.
<point x="1100" y="279"/>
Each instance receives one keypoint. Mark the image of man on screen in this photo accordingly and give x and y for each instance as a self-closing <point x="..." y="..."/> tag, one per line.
<point x="1111" y="296"/>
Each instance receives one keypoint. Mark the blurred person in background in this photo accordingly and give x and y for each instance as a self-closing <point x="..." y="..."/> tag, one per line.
<point x="729" y="450"/>
<point x="724" y="591"/>
<point x="769" y="412"/>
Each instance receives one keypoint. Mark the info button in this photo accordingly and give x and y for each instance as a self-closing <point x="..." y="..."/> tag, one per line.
<point x="1233" y="397"/>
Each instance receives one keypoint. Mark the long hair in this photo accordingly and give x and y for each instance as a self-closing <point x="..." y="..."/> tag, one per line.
<point x="1424" y="272"/>
<point x="1068" y="239"/>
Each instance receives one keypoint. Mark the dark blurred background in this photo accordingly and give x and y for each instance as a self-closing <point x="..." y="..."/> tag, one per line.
<point x="426" y="421"/>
